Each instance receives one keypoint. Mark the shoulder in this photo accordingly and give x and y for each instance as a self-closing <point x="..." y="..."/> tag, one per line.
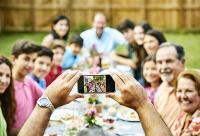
<point x="87" y="32"/>
<point x="48" y="37"/>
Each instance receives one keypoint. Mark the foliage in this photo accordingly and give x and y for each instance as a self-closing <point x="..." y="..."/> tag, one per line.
<point x="89" y="117"/>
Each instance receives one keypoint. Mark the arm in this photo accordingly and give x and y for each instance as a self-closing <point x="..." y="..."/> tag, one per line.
<point x="134" y="97"/>
<point x="122" y="60"/>
<point x="59" y="94"/>
<point x="47" y="41"/>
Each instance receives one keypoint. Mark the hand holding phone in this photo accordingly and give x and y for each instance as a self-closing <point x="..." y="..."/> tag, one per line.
<point x="96" y="84"/>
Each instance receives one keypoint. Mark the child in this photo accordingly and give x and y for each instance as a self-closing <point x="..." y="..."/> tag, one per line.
<point x="27" y="91"/>
<point x="151" y="77"/>
<point x="71" y="56"/>
<point x="42" y="66"/>
<point x="56" y="68"/>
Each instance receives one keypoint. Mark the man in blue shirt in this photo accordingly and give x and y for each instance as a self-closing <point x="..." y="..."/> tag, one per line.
<point x="103" y="39"/>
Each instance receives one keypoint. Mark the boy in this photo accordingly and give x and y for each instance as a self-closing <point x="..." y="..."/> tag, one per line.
<point x="42" y="66"/>
<point x="56" y="69"/>
<point x="27" y="91"/>
<point x="71" y="56"/>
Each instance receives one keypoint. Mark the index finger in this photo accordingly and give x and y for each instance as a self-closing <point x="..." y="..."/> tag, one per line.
<point x="120" y="84"/>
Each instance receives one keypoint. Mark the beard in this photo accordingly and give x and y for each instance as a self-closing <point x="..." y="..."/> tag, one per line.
<point x="167" y="77"/>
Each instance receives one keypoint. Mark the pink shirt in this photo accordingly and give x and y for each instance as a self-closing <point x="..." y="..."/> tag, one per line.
<point x="26" y="95"/>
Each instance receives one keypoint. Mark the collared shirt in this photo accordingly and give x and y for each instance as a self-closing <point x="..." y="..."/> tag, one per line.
<point x="2" y="124"/>
<point x="187" y="127"/>
<point x="166" y="104"/>
<point x="40" y="81"/>
<point x="69" y="59"/>
<point x="108" y="41"/>
<point x="27" y="93"/>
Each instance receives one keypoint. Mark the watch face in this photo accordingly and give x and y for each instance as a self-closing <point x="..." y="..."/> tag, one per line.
<point x="44" y="101"/>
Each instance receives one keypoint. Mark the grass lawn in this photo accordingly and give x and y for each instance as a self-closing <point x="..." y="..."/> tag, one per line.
<point x="190" y="41"/>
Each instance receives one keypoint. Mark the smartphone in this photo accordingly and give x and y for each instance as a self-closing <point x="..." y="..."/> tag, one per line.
<point x="96" y="84"/>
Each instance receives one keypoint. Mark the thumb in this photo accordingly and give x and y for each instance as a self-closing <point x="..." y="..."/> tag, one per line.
<point x="114" y="97"/>
<point x="74" y="96"/>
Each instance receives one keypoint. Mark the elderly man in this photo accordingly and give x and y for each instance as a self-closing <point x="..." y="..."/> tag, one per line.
<point x="170" y="62"/>
<point x="101" y="38"/>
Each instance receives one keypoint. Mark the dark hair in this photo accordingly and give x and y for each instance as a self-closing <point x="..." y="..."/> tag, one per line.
<point x="77" y="40"/>
<point x="126" y="24"/>
<point x="44" y="51"/>
<point x="24" y="46"/>
<point x="179" y="49"/>
<point x="145" y="25"/>
<point x="8" y="103"/>
<point x="147" y="59"/>
<point x="55" y="21"/>
<point x="158" y="35"/>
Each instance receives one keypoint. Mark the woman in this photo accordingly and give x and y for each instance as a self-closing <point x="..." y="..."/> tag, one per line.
<point x="7" y="100"/>
<point x="188" y="96"/>
<point x="59" y="33"/>
<point x="151" y="77"/>
<point x="152" y="40"/>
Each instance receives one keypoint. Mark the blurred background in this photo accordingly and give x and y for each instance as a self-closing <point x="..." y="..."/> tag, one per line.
<point x="31" y="19"/>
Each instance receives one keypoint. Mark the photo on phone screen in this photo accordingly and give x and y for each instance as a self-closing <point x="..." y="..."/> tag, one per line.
<point x="96" y="84"/>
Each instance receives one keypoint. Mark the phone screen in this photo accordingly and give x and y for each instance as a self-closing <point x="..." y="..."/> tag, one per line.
<point x="96" y="84"/>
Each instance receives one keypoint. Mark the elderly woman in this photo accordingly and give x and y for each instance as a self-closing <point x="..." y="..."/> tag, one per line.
<point x="188" y="96"/>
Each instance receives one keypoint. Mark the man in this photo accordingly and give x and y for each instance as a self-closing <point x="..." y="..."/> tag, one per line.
<point x="170" y="62"/>
<point x="132" y="96"/>
<point x="101" y="38"/>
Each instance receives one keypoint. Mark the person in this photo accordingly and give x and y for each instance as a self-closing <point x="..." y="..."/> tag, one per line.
<point x="103" y="39"/>
<point x="71" y="56"/>
<point x="7" y="97"/>
<point x="132" y="96"/>
<point x="151" y="77"/>
<point x="27" y="91"/>
<point x="59" y="31"/>
<point x="188" y="96"/>
<point x="135" y="53"/>
<point x="42" y="66"/>
<point x="140" y="31"/>
<point x="56" y="69"/>
<point x="169" y="62"/>
<point x="152" y="40"/>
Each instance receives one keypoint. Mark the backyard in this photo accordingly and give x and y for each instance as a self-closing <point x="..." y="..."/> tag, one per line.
<point x="190" y="41"/>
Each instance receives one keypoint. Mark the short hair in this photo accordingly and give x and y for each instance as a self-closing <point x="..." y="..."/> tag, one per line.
<point x="55" y="46"/>
<point x="24" y="47"/>
<point x="158" y="35"/>
<point x="44" y="51"/>
<point x="126" y="24"/>
<point x="77" y="40"/>
<point x="179" y="49"/>
<point x="193" y="74"/>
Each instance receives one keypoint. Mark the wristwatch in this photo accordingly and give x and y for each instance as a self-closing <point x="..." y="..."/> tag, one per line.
<point x="44" y="102"/>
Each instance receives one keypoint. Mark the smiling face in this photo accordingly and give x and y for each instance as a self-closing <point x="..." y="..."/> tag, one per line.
<point x="61" y="27"/>
<point x="99" y="24"/>
<point x="5" y="77"/>
<point x="24" y="63"/>
<point x="150" y="72"/>
<point x="42" y="66"/>
<point x="58" y="54"/>
<point x="168" y="65"/>
<point x="128" y="35"/>
<point x="139" y="35"/>
<point x="187" y="95"/>
<point x="151" y="44"/>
